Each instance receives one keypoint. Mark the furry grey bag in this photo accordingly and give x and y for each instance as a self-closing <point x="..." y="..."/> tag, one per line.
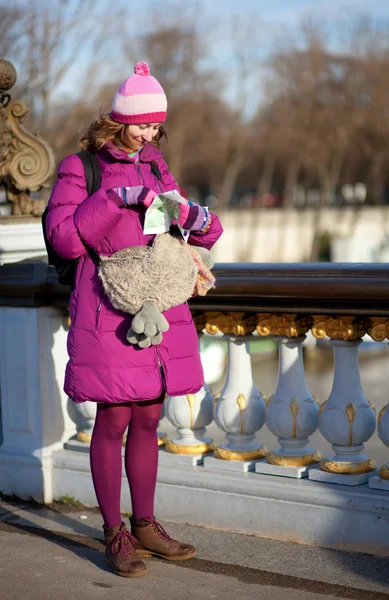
<point x="145" y="281"/>
<point x="164" y="273"/>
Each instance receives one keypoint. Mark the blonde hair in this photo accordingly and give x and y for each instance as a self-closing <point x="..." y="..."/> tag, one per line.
<point x="104" y="129"/>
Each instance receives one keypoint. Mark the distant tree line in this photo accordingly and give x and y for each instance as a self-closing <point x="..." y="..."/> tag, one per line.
<point x="319" y="121"/>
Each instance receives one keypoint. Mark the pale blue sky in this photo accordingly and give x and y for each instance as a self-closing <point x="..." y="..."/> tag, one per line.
<point x="272" y="21"/>
<point x="287" y="10"/>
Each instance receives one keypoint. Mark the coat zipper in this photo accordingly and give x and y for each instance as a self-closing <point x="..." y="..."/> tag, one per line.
<point x="98" y="312"/>
<point x="138" y="169"/>
<point x="160" y="366"/>
<point x="162" y="372"/>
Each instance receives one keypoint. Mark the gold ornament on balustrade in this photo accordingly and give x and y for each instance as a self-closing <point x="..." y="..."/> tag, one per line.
<point x="339" y="328"/>
<point x="200" y="320"/>
<point x="381" y="414"/>
<point x="26" y="160"/>
<point x="384" y="472"/>
<point x="268" y="400"/>
<point x="202" y="448"/>
<point x="322" y="407"/>
<point x="191" y="400"/>
<point x="215" y="399"/>
<point x="162" y="440"/>
<point x="294" y="408"/>
<point x="378" y="328"/>
<point x="283" y="325"/>
<point x="83" y="437"/>
<point x="350" y="414"/>
<point x="242" y="405"/>
<point x="293" y="461"/>
<point x="225" y="454"/>
<point x="230" y="323"/>
<point x="347" y="468"/>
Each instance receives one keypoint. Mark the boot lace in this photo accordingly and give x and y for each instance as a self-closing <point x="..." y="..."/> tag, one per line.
<point x="159" y="529"/>
<point x="124" y="543"/>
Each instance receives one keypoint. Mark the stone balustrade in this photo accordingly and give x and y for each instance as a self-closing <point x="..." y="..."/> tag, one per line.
<point x="343" y="302"/>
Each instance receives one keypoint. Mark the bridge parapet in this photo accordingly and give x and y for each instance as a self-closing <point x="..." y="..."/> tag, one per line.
<point x="43" y="434"/>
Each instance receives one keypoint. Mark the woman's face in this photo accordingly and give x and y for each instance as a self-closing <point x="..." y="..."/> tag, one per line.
<point x="139" y="134"/>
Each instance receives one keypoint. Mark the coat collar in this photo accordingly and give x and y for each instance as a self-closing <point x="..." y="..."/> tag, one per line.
<point x="148" y="153"/>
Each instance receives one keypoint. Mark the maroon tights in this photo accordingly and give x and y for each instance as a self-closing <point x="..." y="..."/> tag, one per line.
<point x="141" y="457"/>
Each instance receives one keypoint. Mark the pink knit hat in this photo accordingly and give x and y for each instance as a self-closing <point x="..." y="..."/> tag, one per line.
<point x="140" y="99"/>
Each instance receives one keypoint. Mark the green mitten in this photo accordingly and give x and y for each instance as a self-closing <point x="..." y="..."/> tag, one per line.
<point x="142" y="340"/>
<point x="147" y="326"/>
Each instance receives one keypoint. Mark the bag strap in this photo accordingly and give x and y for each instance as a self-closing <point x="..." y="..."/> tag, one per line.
<point x="92" y="171"/>
<point x="93" y="182"/>
<point x="155" y="169"/>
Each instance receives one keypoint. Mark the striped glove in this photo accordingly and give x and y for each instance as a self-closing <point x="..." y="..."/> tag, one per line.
<point x="193" y="217"/>
<point x="131" y="196"/>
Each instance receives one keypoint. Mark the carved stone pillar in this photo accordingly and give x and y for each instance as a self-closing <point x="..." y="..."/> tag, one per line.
<point x="291" y="412"/>
<point x="346" y="419"/>
<point x="190" y="414"/>
<point x="381" y="482"/>
<point x="239" y="409"/>
<point x="379" y="331"/>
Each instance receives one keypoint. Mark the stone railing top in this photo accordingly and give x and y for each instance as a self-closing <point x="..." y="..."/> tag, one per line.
<point x="301" y="288"/>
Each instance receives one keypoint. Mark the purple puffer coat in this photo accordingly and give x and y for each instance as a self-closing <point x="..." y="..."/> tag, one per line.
<point x="103" y="366"/>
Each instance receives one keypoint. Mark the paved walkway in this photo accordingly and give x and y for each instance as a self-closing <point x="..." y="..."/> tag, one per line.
<point x="55" y="553"/>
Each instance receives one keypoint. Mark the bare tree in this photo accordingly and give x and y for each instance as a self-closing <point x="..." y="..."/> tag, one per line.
<point x="10" y="42"/>
<point x="57" y="35"/>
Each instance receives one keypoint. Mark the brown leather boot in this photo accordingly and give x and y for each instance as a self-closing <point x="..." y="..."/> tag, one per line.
<point x="120" y="552"/>
<point x="152" y="539"/>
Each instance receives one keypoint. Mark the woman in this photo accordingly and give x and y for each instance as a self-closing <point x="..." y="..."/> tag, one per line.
<point x="127" y="382"/>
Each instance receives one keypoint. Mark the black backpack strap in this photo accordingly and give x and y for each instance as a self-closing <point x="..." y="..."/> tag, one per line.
<point x="155" y="169"/>
<point x="93" y="182"/>
<point x="92" y="171"/>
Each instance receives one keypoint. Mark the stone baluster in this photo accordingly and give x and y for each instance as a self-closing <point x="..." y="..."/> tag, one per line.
<point x="291" y="413"/>
<point x="84" y="415"/>
<point x="346" y="419"/>
<point x="190" y="414"/>
<point x="85" y="420"/>
<point x="239" y="409"/>
<point x="381" y="481"/>
<point x="379" y="331"/>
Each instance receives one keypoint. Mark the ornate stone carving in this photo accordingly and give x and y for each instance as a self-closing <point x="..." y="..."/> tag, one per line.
<point x="5" y="134"/>
<point x="7" y="81"/>
<point x="231" y="323"/>
<point x="378" y="328"/>
<point x="26" y="160"/>
<point x="283" y="325"/>
<point x="7" y="77"/>
<point x="339" y="328"/>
